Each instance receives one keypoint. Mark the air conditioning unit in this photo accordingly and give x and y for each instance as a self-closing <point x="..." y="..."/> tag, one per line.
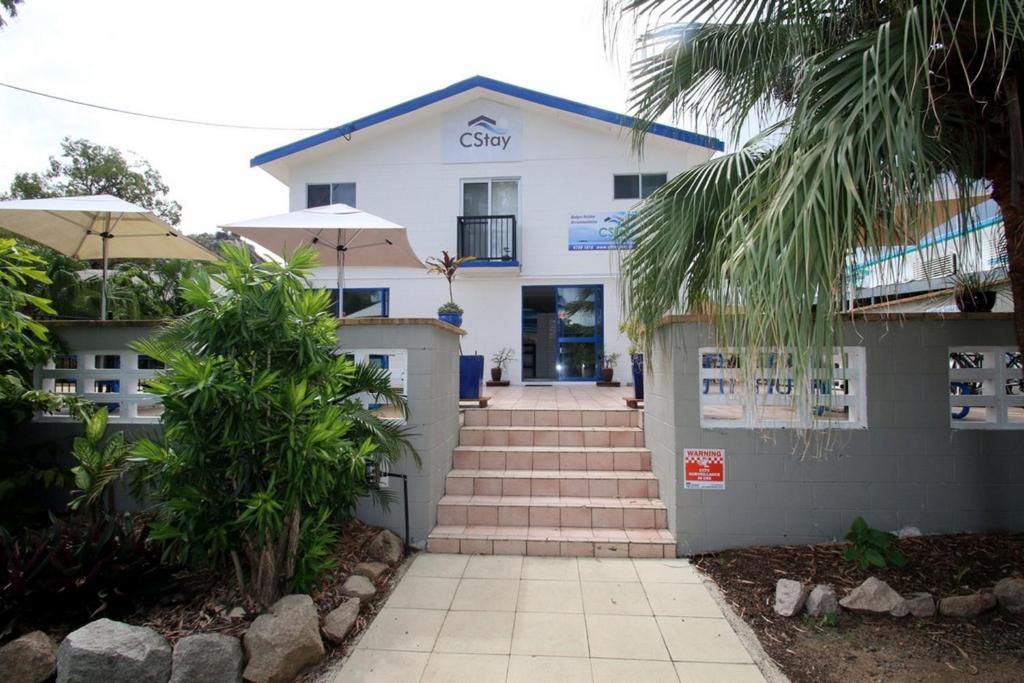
<point x="934" y="268"/>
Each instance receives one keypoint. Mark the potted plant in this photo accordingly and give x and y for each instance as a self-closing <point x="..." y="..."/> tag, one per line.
<point x="636" y="334"/>
<point x="448" y="267"/>
<point x="500" y="360"/>
<point x="608" y="362"/>
<point x="451" y="313"/>
<point x="471" y="367"/>
<point x="975" y="292"/>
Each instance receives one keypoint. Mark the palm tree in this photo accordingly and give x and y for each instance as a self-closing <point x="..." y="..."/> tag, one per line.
<point x="874" y="113"/>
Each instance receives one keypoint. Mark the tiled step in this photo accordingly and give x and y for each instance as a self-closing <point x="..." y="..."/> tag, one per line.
<point x="552" y="511"/>
<point x="551" y="418"/>
<point x="564" y="541"/>
<point x="541" y="437"/>
<point x="551" y="458"/>
<point x="585" y="483"/>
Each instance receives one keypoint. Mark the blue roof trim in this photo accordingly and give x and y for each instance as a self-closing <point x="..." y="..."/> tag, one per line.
<point x="412" y="105"/>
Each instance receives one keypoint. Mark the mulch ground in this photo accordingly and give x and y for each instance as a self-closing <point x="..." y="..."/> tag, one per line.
<point x="861" y="647"/>
<point x="203" y="602"/>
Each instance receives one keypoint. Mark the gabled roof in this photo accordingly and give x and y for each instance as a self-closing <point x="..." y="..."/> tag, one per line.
<point x="412" y="105"/>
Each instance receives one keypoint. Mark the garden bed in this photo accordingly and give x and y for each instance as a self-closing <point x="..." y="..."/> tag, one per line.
<point x="210" y="602"/>
<point x="862" y="647"/>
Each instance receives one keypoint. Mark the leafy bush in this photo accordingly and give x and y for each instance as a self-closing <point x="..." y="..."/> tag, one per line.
<point x="99" y="465"/>
<point x="265" y="444"/>
<point x="871" y="547"/>
<point x="78" y="570"/>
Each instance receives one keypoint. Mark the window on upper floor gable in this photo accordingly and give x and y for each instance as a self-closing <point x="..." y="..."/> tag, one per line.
<point x="322" y="194"/>
<point x="638" y="185"/>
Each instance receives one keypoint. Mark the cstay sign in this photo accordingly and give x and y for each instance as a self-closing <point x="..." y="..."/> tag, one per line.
<point x="482" y="131"/>
<point x="704" y="468"/>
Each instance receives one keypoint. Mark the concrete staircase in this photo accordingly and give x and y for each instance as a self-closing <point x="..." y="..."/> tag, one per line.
<point x="552" y="482"/>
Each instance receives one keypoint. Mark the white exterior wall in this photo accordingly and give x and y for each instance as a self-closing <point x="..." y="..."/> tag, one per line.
<point x="567" y="166"/>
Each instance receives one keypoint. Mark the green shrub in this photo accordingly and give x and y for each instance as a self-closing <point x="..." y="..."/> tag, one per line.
<point x="265" y="444"/>
<point x="871" y="547"/>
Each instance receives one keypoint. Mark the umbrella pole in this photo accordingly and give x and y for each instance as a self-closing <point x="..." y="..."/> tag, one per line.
<point x="103" y="280"/>
<point x="339" y="262"/>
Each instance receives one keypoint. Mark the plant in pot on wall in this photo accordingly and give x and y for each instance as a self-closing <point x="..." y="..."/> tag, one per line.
<point x="471" y="367"/>
<point x="608" y="362"/>
<point x="975" y="292"/>
<point x="448" y="267"/>
<point x="502" y="358"/>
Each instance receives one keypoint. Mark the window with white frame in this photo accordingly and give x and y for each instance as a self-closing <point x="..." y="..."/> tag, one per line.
<point x="768" y="397"/>
<point x="115" y="379"/>
<point x="322" y="194"/>
<point x="986" y="388"/>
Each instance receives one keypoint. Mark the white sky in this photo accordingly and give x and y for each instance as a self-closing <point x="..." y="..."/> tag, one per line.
<point x="298" y="63"/>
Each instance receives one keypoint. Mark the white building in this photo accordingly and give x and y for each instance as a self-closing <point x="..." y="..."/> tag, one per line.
<point x="920" y="277"/>
<point x="530" y="184"/>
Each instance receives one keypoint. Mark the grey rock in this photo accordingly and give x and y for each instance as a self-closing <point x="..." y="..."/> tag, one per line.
<point x="386" y="547"/>
<point x="357" y="586"/>
<point x="32" y="658"/>
<point x="874" y="597"/>
<point x="207" y="658"/>
<point x="339" y="621"/>
<point x="900" y="609"/>
<point x="822" y="600"/>
<point x="371" y="570"/>
<point x="789" y="597"/>
<point x="921" y="605"/>
<point x="113" y="652"/>
<point x="283" y="642"/>
<point x="966" y="606"/>
<point x="908" y="532"/>
<point x="1010" y="594"/>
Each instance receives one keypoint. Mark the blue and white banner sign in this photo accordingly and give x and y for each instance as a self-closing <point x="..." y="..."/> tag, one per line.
<point x="597" y="231"/>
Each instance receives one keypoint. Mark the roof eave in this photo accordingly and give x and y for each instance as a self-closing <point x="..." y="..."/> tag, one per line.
<point x="346" y="129"/>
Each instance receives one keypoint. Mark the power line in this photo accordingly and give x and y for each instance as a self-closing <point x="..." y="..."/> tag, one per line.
<point x="213" y="124"/>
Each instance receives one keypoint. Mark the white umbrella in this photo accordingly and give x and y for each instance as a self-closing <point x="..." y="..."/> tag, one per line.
<point x="351" y="236"/>
<point x="98" y="227"/>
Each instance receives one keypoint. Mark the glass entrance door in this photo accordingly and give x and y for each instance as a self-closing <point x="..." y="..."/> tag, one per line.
<point x="563" y="332"/>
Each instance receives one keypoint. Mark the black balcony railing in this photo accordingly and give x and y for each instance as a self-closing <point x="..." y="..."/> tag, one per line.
<point x="488" y="238"/>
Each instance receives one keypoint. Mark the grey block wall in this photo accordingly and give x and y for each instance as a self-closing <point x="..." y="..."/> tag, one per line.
<point x="432" y="386"/>
<point x="433" y="391"/>
<point x="907" y="468"/>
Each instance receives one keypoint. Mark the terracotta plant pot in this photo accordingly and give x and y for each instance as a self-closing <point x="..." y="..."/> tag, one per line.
<point x="607" y="374"/>
<point x="495" y="374"/>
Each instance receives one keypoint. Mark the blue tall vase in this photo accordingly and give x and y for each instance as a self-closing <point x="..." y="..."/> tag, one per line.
<point x="638" y="375"/>
<point x="471" y="376"/>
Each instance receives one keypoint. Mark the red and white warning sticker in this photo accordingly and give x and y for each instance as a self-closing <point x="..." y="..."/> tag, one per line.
<point x="704" y="468"/>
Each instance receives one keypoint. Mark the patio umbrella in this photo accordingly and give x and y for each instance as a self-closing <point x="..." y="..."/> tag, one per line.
<point x="352" y="237"/>
<point x="98" y="227"/>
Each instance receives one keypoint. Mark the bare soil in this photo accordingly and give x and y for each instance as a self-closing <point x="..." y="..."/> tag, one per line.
<point x="876" y="648"/>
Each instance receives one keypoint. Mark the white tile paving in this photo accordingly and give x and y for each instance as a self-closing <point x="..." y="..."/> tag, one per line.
<point x="534" y="619"/>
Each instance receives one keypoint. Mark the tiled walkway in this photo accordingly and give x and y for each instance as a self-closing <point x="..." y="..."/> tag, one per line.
<point x="582" y="396"/>
<point x="484" y="619"/>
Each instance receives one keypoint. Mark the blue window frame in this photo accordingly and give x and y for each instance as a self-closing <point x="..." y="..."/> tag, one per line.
<point x="562" y="332"/>
<point x="364" y="302"/>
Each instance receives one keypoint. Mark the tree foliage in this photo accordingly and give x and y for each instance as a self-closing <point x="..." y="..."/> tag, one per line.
<point x="86" y="168"/>
<point x="265" y="444"/>
<point x="11" y="7"/>
<point x="872" y="110"/>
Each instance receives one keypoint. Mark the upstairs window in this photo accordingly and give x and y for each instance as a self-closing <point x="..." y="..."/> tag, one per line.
<point x="330" y="193"/>
<point x="638" y="185"/>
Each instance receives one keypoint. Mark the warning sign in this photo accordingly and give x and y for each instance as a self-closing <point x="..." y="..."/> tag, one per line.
<point x="704" y="468"/>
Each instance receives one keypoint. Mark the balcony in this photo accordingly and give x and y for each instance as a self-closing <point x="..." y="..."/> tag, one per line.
<point x="490" y="240"/>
